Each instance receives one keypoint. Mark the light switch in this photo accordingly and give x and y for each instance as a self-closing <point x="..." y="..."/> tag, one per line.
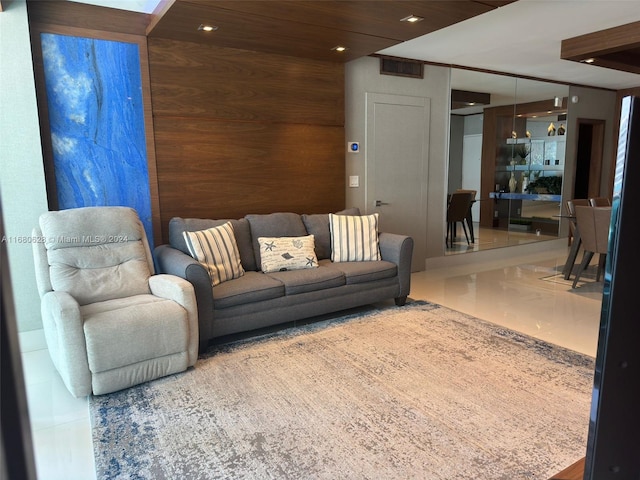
<point x="354" y="181"/>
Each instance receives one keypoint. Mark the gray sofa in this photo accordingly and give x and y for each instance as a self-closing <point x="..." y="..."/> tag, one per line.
<point x="258" y="299"/>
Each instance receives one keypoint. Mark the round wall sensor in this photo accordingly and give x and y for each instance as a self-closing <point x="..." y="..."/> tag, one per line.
<point x="574" y="99"/>
<point x="354" y="147"/>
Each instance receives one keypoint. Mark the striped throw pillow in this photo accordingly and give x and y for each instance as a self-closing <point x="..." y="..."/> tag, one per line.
<point x="216" y="249"/>
<point x="354" y="238"/>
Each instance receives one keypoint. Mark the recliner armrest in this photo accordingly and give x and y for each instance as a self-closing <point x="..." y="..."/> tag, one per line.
<point x="180" y="291"/>
<point x="62" y="323"/>
<point x="399" y="250"/>
<point x="174" y="262"/>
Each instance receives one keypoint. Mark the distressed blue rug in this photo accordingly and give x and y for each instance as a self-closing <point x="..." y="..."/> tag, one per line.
<point x="419" y="391"/>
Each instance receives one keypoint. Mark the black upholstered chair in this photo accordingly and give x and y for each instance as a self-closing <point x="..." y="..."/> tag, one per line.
<point x="469" y="218"/>
<point x="457" y="211"/>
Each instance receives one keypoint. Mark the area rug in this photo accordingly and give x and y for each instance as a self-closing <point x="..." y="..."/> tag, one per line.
<point x="418" y="391"/>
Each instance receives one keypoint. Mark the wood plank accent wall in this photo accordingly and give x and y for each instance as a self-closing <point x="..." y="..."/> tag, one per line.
<point x="241" y="132"/>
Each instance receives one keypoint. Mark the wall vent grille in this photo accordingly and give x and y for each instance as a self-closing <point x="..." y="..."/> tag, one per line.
<point x="401" y="67"/>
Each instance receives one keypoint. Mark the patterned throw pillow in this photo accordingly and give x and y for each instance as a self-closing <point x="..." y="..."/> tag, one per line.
<point x="354" y="238"/>
<point x="278" y="254"/>
<point x="216" y="249"/>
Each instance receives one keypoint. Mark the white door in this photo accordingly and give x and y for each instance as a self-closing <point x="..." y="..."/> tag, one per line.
<point x="471" y="160"/>
<point x="397" y="144"/>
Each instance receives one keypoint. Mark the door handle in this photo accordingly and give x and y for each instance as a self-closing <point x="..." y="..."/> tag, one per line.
<point x="380" y="203"/>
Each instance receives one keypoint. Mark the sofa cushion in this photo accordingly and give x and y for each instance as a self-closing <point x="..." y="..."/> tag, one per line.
<point x="241" y="231"/>
<point x="251" y="287"/>
<point x="354" y="238"/>
<point x="318" y="225"/>
<point x="287" y="253"/>
<point x="362" y="272"/>
<point x="215" y="248"/>
<point x="283" y="224"/>
<point x="309" y="280"/>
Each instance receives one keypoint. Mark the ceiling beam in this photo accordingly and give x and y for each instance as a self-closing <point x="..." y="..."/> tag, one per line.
<point x="310" y="28"/>
<point x="465" y="98"/>
<point x="89" y="17"/>
<point x="617" y="48"/>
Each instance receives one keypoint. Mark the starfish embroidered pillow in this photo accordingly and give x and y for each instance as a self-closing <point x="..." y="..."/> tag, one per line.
<point x="278" y="254"/>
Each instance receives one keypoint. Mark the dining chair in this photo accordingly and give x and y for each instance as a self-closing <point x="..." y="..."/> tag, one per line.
<point x="571" y="211"/>
<point x="457" y="211"/>
<point x="593" y="223"/>
<point x="574" y="235"/>
<point x="599" y="202"/>
<point x="469" y="218"/>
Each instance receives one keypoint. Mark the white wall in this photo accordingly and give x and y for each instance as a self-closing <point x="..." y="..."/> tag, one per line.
<point x="598" y="105"/>
<point x="22" y="184"/>
<point x="362" y="76"/>
<point x="456" y="142"/>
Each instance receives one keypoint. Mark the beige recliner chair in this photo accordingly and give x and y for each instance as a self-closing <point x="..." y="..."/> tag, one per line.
<point x="109" y="322"/>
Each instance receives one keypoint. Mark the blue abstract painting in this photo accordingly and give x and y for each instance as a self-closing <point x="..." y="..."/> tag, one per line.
<point x="96" y="116"/>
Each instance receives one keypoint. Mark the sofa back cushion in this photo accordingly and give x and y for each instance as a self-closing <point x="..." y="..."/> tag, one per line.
<point x="318" y="225"/>
<point x="241" y="230"/>
<point x="97" y="253"/>
<point x="282" y="224"/>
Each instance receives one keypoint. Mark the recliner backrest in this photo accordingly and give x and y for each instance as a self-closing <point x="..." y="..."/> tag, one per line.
<point x="96" y="253"/>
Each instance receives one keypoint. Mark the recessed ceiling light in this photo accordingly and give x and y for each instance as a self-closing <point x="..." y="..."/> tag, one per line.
<point x="339" y="48"/>
<point x="412" y="19"/>
<point x="207" y="28"/>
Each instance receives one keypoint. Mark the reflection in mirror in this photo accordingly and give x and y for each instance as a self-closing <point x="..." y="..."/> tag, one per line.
<point x="503" y="145"/>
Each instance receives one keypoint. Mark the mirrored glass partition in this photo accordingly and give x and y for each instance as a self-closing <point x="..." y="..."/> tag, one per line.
<point x="507" y="142"/>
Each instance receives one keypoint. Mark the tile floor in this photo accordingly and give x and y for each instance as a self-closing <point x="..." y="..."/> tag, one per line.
<point x="507" y="288"/>
<point x="489" y="238"/>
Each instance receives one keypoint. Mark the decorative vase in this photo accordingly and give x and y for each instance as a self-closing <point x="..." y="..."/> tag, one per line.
<point x="525" y="183"/>
<point x="513" y="183"/>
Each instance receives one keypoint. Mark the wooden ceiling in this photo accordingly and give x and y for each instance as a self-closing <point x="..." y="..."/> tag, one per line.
<point x="310" y="28"/>
<point x="617" y="48"/>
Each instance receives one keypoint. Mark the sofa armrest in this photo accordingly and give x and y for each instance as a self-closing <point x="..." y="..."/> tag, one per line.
<point x="62" y="323"/>
<point x="174" y="262"/>
<point x="399" y="250"/>
<point x="180" y="291"/>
